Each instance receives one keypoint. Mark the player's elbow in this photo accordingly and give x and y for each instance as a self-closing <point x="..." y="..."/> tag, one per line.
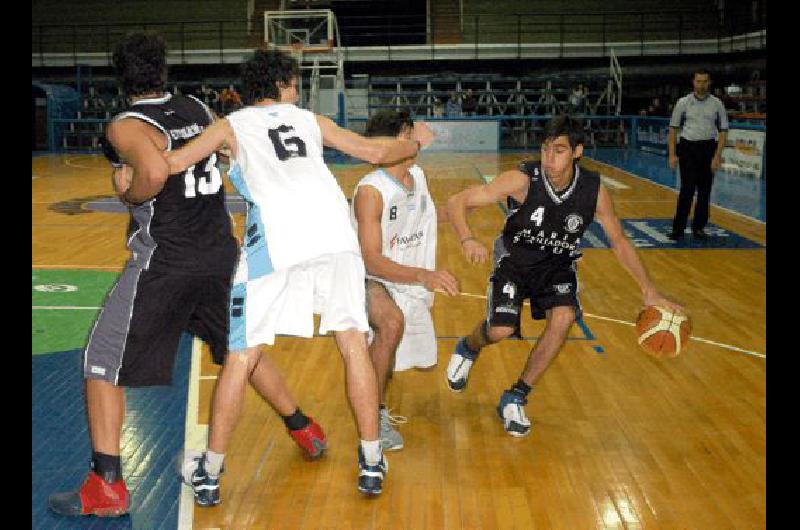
<point x="153" y="175"/>
<point x="377" y="154"/>
<point x="454" y="204"/>
<point x="372" y="263"/>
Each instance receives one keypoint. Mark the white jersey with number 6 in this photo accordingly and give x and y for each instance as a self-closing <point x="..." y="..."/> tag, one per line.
<point x="296" y="209"/>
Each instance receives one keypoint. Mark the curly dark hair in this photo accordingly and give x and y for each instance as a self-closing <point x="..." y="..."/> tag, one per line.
<point x="565" y="125"/>
<point x="262" y="73"/>
<point x="388" y="122"/>
<point x="140" y="61"/>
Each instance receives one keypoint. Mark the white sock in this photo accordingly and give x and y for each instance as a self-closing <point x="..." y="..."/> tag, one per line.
<point x="372" y="451"/>
<point x="214" y="463"/>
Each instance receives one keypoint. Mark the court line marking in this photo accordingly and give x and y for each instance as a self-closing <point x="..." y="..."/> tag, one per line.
<point x="590" y="315"/>
<point x="195" y="436"/>
<point x="676" y="191"/>
<point x="699" y="339"/>
<point x="69" y="162"/>
<point x="48" y="307"/>
<point x="89" y="267"/>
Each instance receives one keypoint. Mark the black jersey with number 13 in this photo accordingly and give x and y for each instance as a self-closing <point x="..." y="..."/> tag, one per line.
<point x="185" y="228"/>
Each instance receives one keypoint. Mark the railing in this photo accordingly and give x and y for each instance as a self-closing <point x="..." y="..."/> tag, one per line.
<point x="517" y="131"/>
<point x="564" y="33"/>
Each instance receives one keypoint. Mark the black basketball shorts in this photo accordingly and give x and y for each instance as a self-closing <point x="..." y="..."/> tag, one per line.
<point x="546" y="286"/>
<point x="135" y="339"/>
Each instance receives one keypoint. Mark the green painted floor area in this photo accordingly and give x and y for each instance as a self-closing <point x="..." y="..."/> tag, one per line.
<point x="64" y="304"/>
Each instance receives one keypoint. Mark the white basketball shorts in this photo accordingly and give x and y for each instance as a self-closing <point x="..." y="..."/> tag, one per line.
<point x="284" y="302"/>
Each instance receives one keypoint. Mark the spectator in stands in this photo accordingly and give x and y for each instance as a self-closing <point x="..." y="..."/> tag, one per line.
<point x="438" y="108"/>
<point x="577" y="99"/>
<point x="469" y="103"/>
<point x="726" y="100"/>
<point x="656" y="108"/>
<point x="209" y="96"/>
<point x="453" y="105"/>
<point x="230" y="100"/>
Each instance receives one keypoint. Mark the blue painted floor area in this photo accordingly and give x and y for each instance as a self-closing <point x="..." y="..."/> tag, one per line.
<point x="742" y="194"/>
<point x="652" y="233"/>
<point x="152" y="440"/>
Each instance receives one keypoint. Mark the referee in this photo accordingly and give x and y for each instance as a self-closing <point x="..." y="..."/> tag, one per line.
<point x="701" y="118"/>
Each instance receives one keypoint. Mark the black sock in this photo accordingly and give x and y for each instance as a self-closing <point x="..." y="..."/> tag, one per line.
<point x="381" y="406"/>
<point x="296" y="421"/>
<point x="109" y="467"/>
<point x="521" y="388"/>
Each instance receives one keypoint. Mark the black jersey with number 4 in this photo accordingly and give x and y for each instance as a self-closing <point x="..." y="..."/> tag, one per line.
<point x="185" y="229"/>
<point x="548" y="225"/>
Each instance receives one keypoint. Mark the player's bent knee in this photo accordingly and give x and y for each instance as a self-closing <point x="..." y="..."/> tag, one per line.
<point x="563" y="316"/>
<point x="395" y="324"/>
<point x="498" y="333"/>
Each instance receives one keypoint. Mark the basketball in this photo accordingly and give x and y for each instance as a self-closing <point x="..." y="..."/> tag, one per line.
<point x="662" y="333"/>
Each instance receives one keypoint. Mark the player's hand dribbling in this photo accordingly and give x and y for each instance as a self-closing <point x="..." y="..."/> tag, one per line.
<point x="655" y="299"/>
<point x="441" y="281"/>
<point x="474" y="251"/>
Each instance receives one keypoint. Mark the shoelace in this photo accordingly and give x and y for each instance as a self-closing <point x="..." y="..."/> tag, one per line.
<point x="395" y="419"/>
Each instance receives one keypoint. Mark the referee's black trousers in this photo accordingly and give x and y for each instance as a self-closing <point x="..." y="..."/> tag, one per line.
<point x="694" y="159"/>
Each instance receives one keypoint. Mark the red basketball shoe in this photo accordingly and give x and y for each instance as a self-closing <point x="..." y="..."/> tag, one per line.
<point x="96" y="497"/>
<point x="311" y="439"/>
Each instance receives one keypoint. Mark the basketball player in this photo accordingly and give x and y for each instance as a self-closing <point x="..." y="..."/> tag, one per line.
<point x="178" y="278"/>
<point x="552" y="201"/>
<point x="301" y="254"/>
<point x="395" y="217"/>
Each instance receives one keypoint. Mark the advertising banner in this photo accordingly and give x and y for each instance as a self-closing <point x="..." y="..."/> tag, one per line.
<point x="465" y="135"/>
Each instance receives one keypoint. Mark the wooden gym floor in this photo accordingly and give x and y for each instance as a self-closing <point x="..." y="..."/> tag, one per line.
<point x="619" y="440"/>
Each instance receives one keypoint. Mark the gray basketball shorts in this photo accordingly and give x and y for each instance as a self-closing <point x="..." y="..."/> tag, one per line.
<point x="135" y="338"/>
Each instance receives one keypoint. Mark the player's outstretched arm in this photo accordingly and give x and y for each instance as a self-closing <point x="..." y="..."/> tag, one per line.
<point x="625" y="252"/>
<point x="368" y="205"/>
<point x="217" y="136"/>
<point x="135" y="143"/>
<point x="513" y="183"/>
<point x="376" y="150"/>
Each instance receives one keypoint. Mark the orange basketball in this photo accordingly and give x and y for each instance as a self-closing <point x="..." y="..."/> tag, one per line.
<point x="662" y="333"/>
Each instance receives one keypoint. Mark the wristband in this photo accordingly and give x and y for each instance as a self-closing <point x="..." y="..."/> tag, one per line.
<point x="111" y="154"/>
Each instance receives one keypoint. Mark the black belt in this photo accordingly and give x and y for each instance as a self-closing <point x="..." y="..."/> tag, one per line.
<point x="698" y="141"/>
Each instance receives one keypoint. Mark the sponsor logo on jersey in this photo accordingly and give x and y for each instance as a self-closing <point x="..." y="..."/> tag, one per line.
<point x="526" y="236"/>
<point x="413" y="240"/>
<point x="190" y="131"/>
<point x="562" y="288"/>
<point x="573" y="223"/>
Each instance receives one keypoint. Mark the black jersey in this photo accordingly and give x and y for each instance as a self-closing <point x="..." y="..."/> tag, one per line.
<point x="547" y="226"/>
<point x="185" y="229"/>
